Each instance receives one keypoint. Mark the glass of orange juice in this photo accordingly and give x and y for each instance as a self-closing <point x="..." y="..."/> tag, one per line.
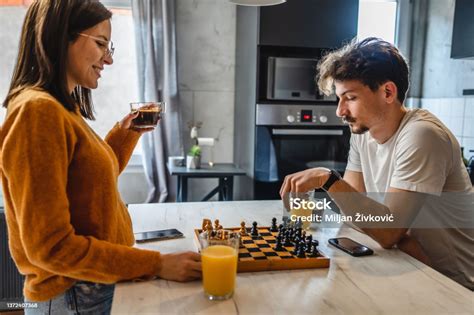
<point x="299" y="209"/>
<point x="219" y="265"/>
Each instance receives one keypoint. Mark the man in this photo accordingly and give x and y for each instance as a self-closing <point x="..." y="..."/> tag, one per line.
<point x="408" y="155"/>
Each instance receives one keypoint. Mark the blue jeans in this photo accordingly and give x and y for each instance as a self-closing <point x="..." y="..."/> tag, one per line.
<point x="82" y="298"/>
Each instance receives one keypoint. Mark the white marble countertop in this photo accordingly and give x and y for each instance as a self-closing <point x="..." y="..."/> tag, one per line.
<point x="389" y="282"/>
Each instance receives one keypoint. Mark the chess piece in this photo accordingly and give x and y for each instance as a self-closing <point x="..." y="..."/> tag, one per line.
<point x="274" y="227"/>
<point x="296" y="240"/>
<point x="278" y="245"/>
<point x="243" y="229"/>
<point x="315" y="243"/>
<point x="303" y="236"/>
<point x="314" y="252"/>
<point x="287" y="241"/>
<point x="291" y="233"/>
<point x="216" y="224"/>
<point x="309" y="238"/>
<point x="204" y="224"/>
<point x="209" y="229"/>
<point x="301" y="253"/>
<point x="309" y="247"/>
<point x="254" y="230"/>
<point x="298" y="232"/>
<point x="295" y="250"/>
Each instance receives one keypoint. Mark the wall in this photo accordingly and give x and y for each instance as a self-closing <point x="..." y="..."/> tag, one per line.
<point x="206" y="63"/>
<point x="445" y="78"/>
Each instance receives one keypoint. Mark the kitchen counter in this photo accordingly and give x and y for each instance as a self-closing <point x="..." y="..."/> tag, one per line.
<point x="389" y="282"/>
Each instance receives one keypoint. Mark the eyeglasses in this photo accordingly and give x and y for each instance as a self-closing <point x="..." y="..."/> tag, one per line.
<point x="108" y="46"/>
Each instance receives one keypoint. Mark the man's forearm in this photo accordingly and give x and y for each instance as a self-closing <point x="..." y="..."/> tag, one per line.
<point x="411" y="247"/>
<point x="351" y="203"/>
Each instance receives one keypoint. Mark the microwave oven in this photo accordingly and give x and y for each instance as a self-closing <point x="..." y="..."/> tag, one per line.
<point x="292" y="79"/>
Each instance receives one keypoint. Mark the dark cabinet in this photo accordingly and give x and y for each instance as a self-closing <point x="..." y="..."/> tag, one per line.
<point x="309" y="23"/>
<point x="463" y="30"/>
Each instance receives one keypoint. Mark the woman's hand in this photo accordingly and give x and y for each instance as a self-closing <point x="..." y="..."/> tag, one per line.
<point x="184" y="266"/>
<point x="304" y="181"/>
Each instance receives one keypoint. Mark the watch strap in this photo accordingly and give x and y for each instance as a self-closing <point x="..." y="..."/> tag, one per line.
<point x="334" y="176"/>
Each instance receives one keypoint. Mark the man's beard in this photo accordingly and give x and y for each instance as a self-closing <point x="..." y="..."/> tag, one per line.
<point x="355" y="130"/>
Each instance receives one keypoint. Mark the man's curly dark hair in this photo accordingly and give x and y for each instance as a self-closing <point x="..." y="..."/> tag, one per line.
<point x="372" y="61"/>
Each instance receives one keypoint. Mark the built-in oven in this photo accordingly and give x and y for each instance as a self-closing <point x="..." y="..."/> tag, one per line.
<point x="292" y="138"/>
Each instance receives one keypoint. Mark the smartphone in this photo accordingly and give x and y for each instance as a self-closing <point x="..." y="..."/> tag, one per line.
<point x="350" y="246"/>
<point x="157" y="235"/>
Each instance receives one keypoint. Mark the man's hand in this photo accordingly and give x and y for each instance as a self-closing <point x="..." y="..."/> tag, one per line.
<point x="304" y="181"/>
<point x="185" y="266"/>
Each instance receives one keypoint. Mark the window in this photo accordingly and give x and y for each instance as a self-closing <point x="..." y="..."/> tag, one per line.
<point x="377" y="18"/>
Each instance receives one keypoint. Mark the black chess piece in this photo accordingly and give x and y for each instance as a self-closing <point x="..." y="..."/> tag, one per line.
<point x="254" y="230"/>
<point x="298" y="232"/>
<point x="303" y="236"/>
<point x="274" y="227"/>
<point x="287" y="241"/>
<point x="280" y="227"/>
<point x="301" y="253"/>
<point x="296" y="240"/>
<point x="278" y="245"/>
<point x="291" y="233"/>
<point x="315" y="243"/>
<point x="295" y="250"/>
<point x="309" y="238"/>
<point x="314" y="252"/>
<point x="309" y="247"/>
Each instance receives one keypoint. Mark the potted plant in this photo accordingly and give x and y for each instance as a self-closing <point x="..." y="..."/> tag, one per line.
<point x="193" y="160"/>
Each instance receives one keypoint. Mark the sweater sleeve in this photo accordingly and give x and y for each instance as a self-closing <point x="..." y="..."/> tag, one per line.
<point x="122" y="143"/>
<point x="36" y="155"/>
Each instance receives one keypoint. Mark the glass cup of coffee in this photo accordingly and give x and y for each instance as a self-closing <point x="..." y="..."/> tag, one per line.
<point x="219" y="264"/>
<point x="149" y="113"/>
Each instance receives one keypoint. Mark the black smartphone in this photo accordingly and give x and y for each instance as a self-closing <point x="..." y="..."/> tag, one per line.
<point x="157" y="235"/>
<point x="350" y="246"/>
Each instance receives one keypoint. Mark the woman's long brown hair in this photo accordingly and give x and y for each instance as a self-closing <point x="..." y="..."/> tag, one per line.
<point x="49" y="27"/>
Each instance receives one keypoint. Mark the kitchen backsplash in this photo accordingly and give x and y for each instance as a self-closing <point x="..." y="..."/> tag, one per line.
<point x="458" y="115"/>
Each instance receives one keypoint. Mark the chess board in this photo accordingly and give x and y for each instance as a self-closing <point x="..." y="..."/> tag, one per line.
<point x="257" y="253"/>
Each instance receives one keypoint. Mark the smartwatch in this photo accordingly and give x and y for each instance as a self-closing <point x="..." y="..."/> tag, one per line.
<point x="334" y="176"/>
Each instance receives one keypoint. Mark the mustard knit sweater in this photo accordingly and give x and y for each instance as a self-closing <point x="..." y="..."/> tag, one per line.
<point x="66" y="221"/>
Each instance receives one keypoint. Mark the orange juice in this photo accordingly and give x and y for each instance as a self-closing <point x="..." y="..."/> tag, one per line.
<point x="219" y="269"/>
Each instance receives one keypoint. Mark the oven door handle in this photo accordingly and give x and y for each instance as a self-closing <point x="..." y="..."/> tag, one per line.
<point x="308" y="132"/>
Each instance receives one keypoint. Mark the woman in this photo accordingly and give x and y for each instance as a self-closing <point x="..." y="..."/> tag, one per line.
<point x="69" y="232"/>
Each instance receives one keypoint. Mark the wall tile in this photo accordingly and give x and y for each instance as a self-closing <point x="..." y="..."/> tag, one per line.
<point x="468" y="144"/>
<point x="456" y="125"/>
<point x="468" y="127"/>
<point x="469" y="107"/>
<point x="455" y="106"/>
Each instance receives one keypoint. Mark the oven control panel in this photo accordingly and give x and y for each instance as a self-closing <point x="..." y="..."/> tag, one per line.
<point x="314" y="115"/>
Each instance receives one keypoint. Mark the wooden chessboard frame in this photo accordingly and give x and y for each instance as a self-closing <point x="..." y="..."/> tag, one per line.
<point x="273" y="264"/>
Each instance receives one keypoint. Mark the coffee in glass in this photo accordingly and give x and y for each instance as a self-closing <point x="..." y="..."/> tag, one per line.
<point x="149" y="113"/>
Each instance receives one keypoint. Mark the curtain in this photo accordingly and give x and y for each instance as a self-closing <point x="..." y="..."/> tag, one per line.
<point x="155" y="35"/>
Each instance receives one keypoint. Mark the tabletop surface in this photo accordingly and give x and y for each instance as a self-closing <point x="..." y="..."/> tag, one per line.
<point x="389" y="282"/>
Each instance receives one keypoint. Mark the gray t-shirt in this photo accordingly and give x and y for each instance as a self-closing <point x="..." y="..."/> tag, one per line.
<point x="424" y="156"/>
